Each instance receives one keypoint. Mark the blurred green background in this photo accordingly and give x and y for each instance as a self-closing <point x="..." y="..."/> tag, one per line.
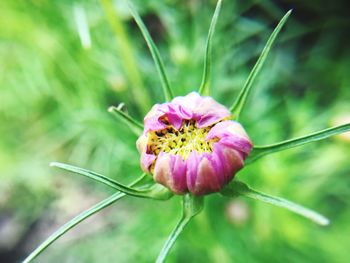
<point x="62" y="63"/>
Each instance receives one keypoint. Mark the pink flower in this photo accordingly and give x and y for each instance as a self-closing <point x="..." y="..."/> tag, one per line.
<point x="190" y="145"/>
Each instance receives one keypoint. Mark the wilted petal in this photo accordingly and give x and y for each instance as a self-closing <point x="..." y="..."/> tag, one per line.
<point x="231" y="161"/>
<point x="189" y="146"/>
<point x="231" y="134"/>
<point x="146" y="159"/>
<point x="192" y="167"/>
<point x="205" y="110"/>
<point x="174" y="113"/>
<point x="170" y="171"/>
<point x="207" y="180"/>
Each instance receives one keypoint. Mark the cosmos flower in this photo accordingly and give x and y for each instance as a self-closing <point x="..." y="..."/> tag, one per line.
<point x="190" y="145"/>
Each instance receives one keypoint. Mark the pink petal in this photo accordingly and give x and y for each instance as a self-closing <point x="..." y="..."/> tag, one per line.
<point x="170" y="171"/>
<point x="231" y="134"/>
<point x="205" y="110"/>
<point x="207" y="180"/>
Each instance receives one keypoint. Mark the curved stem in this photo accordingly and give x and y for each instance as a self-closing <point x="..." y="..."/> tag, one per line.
<point x="168" y="94"/>
<point x="77" y="220"/>
<point x="172" y="238"/>
<point x="237" y="188"/>
<point x="237" y="106"/>
<point x="192" y="205"/>
<point x="156" y="191"/>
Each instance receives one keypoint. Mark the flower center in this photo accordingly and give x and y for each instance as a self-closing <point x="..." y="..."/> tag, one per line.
<point x="189" y="138"/>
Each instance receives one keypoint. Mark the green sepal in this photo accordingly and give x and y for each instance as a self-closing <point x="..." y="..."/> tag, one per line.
<point x="204" y="88"/>
<point x="168" y="94"/>
<point x="238" y="105"/>
<point x="141" y="182"/>
<point x="135" y="126"/>
<point x="156" y="191"/>
<point x="237" y="188"/>
<point x="260" y="151"/>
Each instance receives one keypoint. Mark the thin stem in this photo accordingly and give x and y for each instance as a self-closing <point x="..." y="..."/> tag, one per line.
<point x="172" y="238"/>
<point x="156" y="191"/>
<point x="281" y="202"/>
<point x="260" y="151"/>
<point x="192" y="205"/>
<point x="237" y="188"/>
<point x="205" y="85"/>
<point x="134" y="125"/>
<point x="237" y="106"/>
<point x="77" y="220"/>
<point x="168" y="94"/>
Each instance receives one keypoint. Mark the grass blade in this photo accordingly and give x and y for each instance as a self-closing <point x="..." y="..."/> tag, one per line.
<point x="260" y="151"/>
<point x="192" y="205"/>
<point x="168" y="94"/>
<point x="77" y="220"/>
<point x="134" y="125"/>
<point x="237" y="106"/>
<point x="204" y="88"/>
<point x="239" y="188"/>
<point x="157" y="191"/>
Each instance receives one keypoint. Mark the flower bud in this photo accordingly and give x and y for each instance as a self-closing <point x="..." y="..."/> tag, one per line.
<point x="190" y="145"/>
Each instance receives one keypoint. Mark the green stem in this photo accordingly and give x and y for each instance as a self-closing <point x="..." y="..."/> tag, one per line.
<point x="134" y="125"/>
<point x="192" y="205"/>
<point x="237" y="188"/>
<point x="205" y="85"/>
<point x="237" y="106"/>
<point x="76" y="220"/>
<point x="260" y="151"/>
<point x="172" y="238"/>
<point x="168" y="94"/>
<point x="156" y="191"/>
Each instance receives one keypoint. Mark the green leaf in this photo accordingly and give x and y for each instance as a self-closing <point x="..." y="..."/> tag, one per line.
<point x="237" y="106"/>
<point x="192" y="205"/>
<point x="78" y="219"/>
<point x="168" y="94"/>
<point x="260" y="151"/>
<point x="156" y="191"/>
<point x="237" y="188"/>
<point x="204" y="88"/>
<point x="134" y="125"/>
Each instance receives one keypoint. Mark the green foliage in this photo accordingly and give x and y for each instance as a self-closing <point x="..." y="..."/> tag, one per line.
<point x="56" y="88"/>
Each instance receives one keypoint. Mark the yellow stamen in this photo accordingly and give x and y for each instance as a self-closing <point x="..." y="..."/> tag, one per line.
<point x="189" y="138"/>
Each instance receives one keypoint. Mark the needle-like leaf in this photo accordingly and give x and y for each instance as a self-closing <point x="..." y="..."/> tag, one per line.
<point x="260" y="151"/>
<point x="168" y="94"/>
<point x="156" y="191"/>
<point x="128" y="61"/>
<point x="78" y="219"/>
<point x="236" y="188"/>
<point x="192" y="205"/>
<point x="237" y="106"/>
<point x="204" y="88"/>
<point x="134" y="125"/>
